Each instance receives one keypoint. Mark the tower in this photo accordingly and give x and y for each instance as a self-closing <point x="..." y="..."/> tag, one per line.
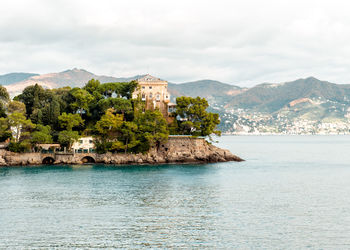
<point x="154" y="92"/>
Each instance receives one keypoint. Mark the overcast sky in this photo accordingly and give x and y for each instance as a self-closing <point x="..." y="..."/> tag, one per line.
<point x="239" y="42"/>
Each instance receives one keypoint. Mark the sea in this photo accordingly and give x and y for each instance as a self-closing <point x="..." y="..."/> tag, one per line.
<point x="292" y="192"/>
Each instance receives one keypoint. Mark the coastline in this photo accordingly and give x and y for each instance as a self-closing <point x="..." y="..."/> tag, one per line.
<point x="180" y="150"/>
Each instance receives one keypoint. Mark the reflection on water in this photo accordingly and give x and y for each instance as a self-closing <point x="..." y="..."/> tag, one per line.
<point x="280" y="198"/>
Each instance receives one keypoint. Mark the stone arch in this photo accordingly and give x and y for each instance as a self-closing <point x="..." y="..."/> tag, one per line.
<point x="88" y="159"/>
<point x="48" y="160"/>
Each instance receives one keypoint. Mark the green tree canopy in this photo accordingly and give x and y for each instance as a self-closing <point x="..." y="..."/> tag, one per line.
<point x="121" y="89"/>
<point x="109" y="124"/>
<point x="82" y="99"/>
<point x="153" y="127"/>
<point x="128" y="135"/>
<point x="92" y="86"/>
<point x="34" y="97"/>
<point x="41" y="134"/>
<point x="4" y="95"/>
<point x="16" y="106"/>
<point x="69" y="121"/>
<point x="194" y="119"/>
<point x="120" y="105"/>
<point x="67" y="138"/>
<point x="5" y="131"/>
<point x="19" y="124"/>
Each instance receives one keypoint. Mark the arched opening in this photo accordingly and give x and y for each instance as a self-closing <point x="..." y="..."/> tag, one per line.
<point x="88" y="159"/>
<point x="48" y="160"/>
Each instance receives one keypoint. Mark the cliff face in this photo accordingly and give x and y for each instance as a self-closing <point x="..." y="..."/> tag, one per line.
<point x="176" y="150"/>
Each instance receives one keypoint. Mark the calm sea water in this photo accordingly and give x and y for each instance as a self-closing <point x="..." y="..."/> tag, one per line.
<point x="292" y="192"/>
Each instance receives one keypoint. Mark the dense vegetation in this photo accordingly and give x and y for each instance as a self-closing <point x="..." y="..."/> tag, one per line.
<point x="105" y="111"/>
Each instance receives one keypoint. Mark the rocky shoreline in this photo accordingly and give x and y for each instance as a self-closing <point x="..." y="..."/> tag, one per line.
<point x="177" y="150"/>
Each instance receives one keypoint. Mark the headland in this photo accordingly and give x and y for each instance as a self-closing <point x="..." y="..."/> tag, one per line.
<point x="178" y="149"/>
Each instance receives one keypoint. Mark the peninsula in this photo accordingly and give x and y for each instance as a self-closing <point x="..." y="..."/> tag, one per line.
<point x="112" y="123"/>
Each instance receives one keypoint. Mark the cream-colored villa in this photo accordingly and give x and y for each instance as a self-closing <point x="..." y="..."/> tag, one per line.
<point x="154" y="92"/>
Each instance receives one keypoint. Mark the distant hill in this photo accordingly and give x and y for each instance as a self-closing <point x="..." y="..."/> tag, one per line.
<point x="73" y="78"/>
<point x="272" y="97"/>
<point x="14" y="77"/>
<point x="214" y="91"/>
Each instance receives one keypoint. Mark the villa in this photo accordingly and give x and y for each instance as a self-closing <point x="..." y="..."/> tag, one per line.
<point x="84" y="145"/>
<point x="154" y="92"/>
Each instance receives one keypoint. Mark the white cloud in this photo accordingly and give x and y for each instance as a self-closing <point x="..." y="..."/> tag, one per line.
<point x="239" y="42"/>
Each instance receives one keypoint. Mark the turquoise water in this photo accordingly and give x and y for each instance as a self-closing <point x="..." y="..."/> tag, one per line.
<point x="292" y="192"/>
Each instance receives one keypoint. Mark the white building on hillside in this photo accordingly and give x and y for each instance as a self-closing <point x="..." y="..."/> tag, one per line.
<point x="84" y="145"/>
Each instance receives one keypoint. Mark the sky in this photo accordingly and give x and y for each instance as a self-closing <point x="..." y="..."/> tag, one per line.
<point x="237" y="42"/>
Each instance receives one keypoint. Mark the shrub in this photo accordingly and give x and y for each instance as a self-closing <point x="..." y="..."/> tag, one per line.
<point x="19" y="147"/>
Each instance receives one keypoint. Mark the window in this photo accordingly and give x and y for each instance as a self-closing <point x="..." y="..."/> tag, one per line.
<point x="157" y="97"/>
<point x="81" y="141"/>
<point x="150" y="87"/>
<point x="143" y="87"/>
<point x="150" y="95"/>
<point x="143" y="97"/>
<point x="90" y="141"/>
<point x="166" y="97"/>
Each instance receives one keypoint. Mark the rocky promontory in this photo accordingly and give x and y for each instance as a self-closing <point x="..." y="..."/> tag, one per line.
<point x="176" y="150"/>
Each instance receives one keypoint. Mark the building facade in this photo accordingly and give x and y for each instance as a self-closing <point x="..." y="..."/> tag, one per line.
<point x="84" y="145"/>
<point x="154" y="92"/>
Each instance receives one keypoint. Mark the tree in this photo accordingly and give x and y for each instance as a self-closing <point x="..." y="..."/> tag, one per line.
<point x="5" y="132"/>
<point x="2" y="110"/>
<point x="120" y="105"/>
<point x="64" y="98"/>
<point x="18" y="124"/>
<point x="82" y="100"/>
<point x="16" y="106"/>
<point x="107" y="89"/>
<point x="69" y="121"/>
<point x="152" y="127"/>
<point x="54" y="112"/>
<point x="4" y="99"/>
<point x="34" y="97"/>
<point x="194" y="119"/>
<point x="126" y="89"/>
<point x="209" y="125"/>
<point x="109" y="124"/>
<point x="37" y="116"/>
<point x="4" y="95"/>
<point x="121" y="89"/>
<point x="127" y="136"/>
<point x="67" y="138"/>
<point x="92" y="86"/>
<point x="42" y="134"/>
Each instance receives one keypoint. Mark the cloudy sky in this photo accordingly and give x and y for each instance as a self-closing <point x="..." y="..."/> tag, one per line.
<point x="239" y="42"/>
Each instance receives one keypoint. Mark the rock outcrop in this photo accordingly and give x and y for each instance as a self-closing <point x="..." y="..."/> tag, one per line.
<point x="176" y="150"/>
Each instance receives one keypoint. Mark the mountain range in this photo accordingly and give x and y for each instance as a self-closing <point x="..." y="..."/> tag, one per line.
<point x="16" y="82"/>
<point x="308" y="98"/>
